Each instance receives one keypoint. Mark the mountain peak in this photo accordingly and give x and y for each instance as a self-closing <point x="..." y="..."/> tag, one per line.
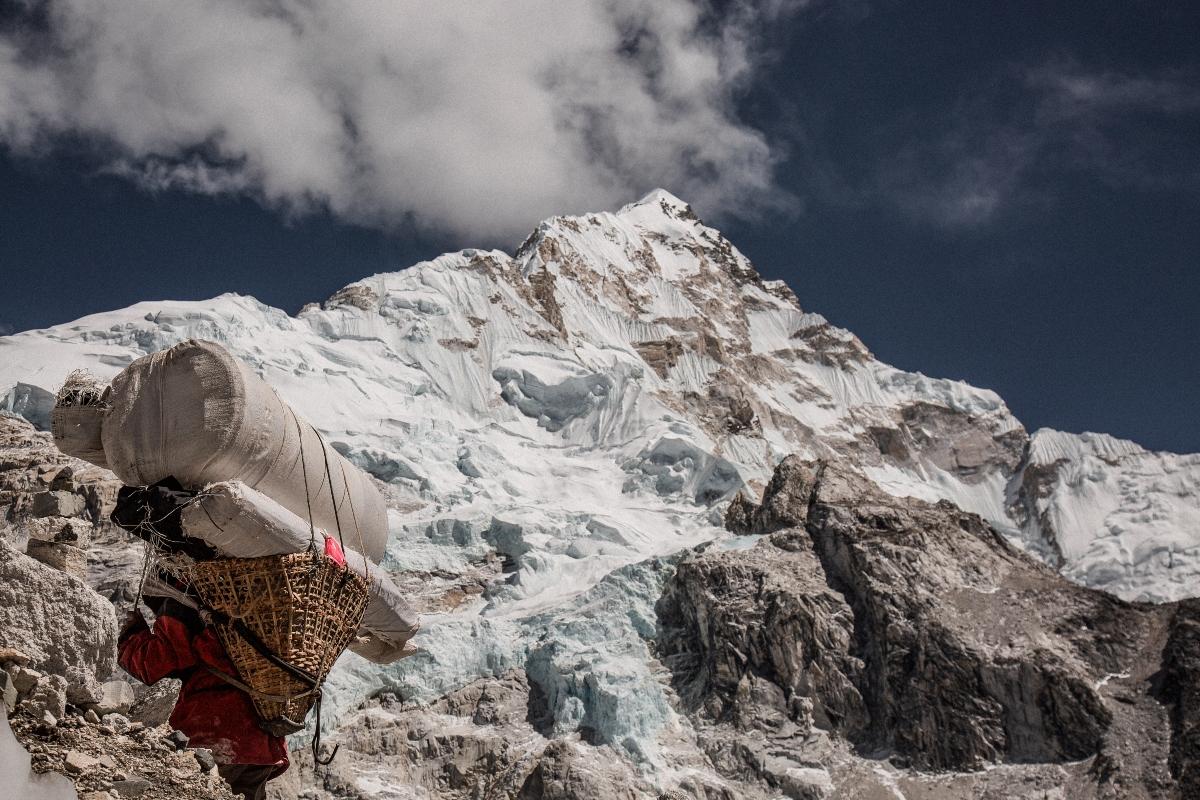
<point x="658" y="197"/>
<point x="662" y="202"/>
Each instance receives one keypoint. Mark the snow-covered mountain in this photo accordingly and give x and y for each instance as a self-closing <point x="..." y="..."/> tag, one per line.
<point x="549" y="422"/>
<point x="616" y="380"/>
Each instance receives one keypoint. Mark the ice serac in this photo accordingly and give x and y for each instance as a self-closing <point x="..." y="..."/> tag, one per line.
<point x="551" y="427"/>
<point x="1111" y="514"/>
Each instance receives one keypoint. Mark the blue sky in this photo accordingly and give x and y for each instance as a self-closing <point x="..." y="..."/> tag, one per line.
<point x="1003" y="193"/>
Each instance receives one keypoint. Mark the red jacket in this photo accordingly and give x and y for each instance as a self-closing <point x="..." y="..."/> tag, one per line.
<point x="212" y="713"/>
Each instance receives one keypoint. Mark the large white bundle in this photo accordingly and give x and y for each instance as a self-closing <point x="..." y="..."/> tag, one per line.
<point x="197" y="413"/>
<point x="243" y="523"/>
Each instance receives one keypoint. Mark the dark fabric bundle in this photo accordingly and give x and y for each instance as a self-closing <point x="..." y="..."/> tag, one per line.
<point x="153" y="513"/>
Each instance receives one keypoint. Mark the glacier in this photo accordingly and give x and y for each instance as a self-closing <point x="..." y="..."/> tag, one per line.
<point x="550" y="427"/>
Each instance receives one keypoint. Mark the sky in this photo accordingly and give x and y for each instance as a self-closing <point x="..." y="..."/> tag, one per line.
<point x="1004" y="193"/>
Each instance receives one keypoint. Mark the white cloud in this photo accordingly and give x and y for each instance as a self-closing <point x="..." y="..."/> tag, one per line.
<point x="474" y="118"/>
<point x="1070" y="91"/>
<point x="965" y="178"/>
<point x="986" y="158"/>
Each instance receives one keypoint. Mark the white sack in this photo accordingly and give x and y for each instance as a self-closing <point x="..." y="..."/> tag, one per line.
<point x="381" y="651"/>
<point x="77" y="432"/>
<point x="197" y="413"/>
<point x="243" y="523"/>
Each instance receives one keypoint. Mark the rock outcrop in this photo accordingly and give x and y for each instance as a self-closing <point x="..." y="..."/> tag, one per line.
<point x="478" y="741"/>
<point x="64" y="627"/>
<point x="67" y="703"/>
<point x="55" y="509"/>
<point x="1181" y="689"/>
<point x="916" y="633"/>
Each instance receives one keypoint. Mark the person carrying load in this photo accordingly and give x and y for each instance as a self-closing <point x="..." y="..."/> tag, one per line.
<point x="211" y="712"/>
<point x="233" y="493"/>
<point x="243" y="725"/>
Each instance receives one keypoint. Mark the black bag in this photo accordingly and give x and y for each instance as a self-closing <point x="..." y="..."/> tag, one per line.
<point x="154" y="513"/>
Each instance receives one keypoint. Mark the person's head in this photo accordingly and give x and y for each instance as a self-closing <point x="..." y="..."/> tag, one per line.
<point x="170" y="607"/>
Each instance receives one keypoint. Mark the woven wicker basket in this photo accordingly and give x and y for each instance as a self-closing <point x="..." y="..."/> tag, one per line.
<point x="304" y="607"/>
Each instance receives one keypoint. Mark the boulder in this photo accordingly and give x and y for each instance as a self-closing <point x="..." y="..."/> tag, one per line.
<point x="12" y="656"/>
<point x="64" y="627"/>
<point x="24" y="678"/>
<point x="82" y="687"/>
<point x="58" y="504"/>
<point x="75" y="532"/>
<point x="48" y="696"/>
<point x="63" y="557"/>
<point x="76" y="762"/>
<point x="154" y="704"/>
<point x="8" y="692"/>
<point x="807" y="783"/>
<point x="116" y="698"/>
<point x="120" y="724"/>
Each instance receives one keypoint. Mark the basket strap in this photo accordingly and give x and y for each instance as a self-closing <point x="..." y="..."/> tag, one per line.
<point x="280" y="698"/>
<point x="255" y="693"/>
<point x="302" y="675"/>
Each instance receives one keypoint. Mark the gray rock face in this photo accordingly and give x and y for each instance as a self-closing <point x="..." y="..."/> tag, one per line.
<point x="562" y="773"/>
<point x="951" y="440"/>
<point x="65" y="627"/>
<point x="474" y="742"/>
<point x="913" y="631"/>
<point x="62" y="557"/>
<point x="1181" y="688"/>
<point x="785" y="500"/>
<point x="57" y="504"/>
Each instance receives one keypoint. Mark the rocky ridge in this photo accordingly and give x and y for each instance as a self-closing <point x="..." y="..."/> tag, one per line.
<point x="916" y="633"/>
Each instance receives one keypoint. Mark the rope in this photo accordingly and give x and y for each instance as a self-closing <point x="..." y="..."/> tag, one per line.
<point x="329" y="477"/>
<point x="312" y="531"/>
<point x="316" y="742"/>
<point x="137" y="601"/>
<point x="243" y="630"/>
<point x="147" y="531"/>
<point x="362" y="550"/>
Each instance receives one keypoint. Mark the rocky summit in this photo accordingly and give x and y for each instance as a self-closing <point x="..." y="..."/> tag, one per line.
<point x="673" y="535"/>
